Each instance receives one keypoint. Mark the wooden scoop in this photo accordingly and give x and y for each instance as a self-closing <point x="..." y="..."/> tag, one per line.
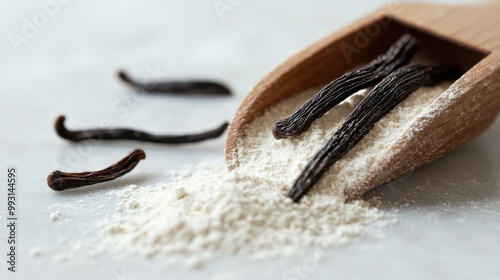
<point x="464" y="36"/>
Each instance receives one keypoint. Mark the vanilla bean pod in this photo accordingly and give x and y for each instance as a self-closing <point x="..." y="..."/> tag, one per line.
<point x="338" y="90"/>
<point x="59" y="181"/>
<point x="379" y="102"/>
<point x="195" y="87"/>
<point x="129" y="134"/>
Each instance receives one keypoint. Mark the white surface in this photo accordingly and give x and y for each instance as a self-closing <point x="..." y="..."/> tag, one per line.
<point x="447" y="228"/>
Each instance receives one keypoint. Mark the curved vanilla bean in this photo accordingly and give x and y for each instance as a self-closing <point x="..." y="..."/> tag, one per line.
<point x="382" y="99"/>
<point x="338" y="90"/>
<point x="60" y="181"/>
<point x="129" y="134"/>
<point x="198" y="87"/>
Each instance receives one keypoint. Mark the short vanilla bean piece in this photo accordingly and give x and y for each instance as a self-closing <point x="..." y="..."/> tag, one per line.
<point x="60" y="181"/>
<point x="379" y="102"/>
<point x="338" y="90"/>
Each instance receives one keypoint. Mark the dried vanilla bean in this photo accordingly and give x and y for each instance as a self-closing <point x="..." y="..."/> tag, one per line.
<point x="195" y="87"/>
<point x="59" y="181"/>
<point x="379" y="102"/>
<point x="338" y="90"/>
<point x="129" y="134"/>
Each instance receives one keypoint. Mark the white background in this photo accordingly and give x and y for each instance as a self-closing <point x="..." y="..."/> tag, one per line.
<point x="448" y="221"/>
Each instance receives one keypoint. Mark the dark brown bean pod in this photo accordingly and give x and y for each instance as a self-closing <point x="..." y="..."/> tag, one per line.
<point x="194" y="87"/>
<point x="60" y="181"/>
<point x="129" y="134"/>
<point x="338" y="90"/>
<point x="379" y="102"/>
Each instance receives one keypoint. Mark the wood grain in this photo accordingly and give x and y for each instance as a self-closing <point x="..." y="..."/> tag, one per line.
<point x="467" y="36"/>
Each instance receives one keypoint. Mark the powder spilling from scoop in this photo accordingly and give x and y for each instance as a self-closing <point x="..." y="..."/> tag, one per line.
<point x="209" y="211"/>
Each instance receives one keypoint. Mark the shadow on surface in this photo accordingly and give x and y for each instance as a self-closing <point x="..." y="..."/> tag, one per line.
<point x="139" y="179"/>
<point x="464" y="176"/>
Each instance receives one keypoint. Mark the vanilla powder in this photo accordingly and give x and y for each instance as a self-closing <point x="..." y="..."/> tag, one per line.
<point x="208" y="211"/>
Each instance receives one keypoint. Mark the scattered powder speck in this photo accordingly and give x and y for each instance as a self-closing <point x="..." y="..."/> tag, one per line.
<point x="36" y="252"/>
<point x="194" y="263"/>
<point x="207" y="211"/>
<point x="55" y="216"/>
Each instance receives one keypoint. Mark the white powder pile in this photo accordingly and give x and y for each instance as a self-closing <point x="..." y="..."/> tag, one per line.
<point x="209" y="211"/>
